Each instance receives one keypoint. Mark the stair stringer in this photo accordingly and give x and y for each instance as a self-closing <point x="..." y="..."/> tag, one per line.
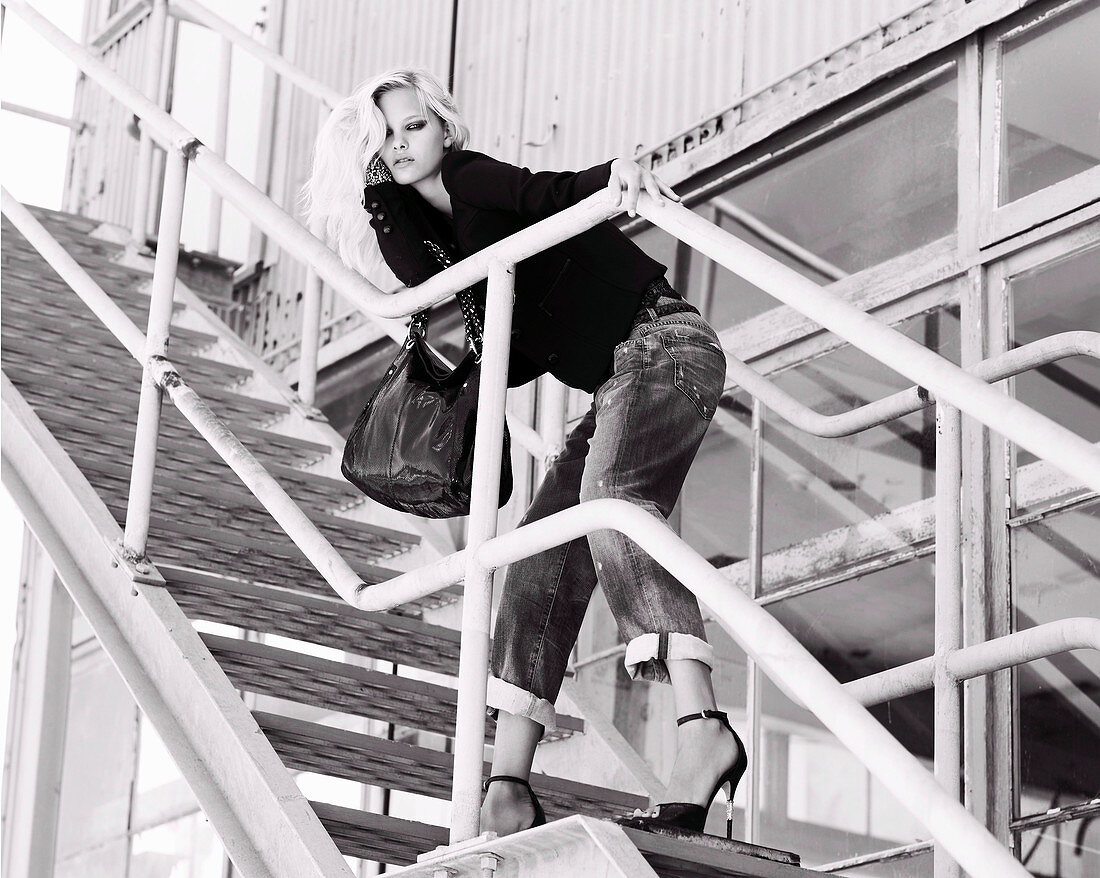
<point x="575" y="845"/>
<point x="265" y="823"/>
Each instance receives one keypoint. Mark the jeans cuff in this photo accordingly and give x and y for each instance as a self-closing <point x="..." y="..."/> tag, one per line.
<point x="645" y="654"/>
<point x="519" y="702"/>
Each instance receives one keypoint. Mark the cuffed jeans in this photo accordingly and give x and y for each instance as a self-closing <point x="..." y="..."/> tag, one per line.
<point x="635" y="443"/>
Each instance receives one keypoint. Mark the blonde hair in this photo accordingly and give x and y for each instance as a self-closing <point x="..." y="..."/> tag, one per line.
<point x="348" y="141"/>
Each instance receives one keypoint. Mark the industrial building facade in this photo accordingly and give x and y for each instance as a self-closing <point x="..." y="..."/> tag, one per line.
<point x="935" y="164"/>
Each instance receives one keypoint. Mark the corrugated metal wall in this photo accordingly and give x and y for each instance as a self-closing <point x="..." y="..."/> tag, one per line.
<point x="617" y="76"/>
<point x="783" y="35"/>
<point x="341" y="42"/>
<point x="559" y="84"/>
<point x="111" y="154"/>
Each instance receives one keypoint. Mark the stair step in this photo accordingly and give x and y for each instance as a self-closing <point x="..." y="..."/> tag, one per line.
<point x="376" y="837"/>
<point x="267" y="446"/>
<point x="204" y="550"/>
<point x="690" y="855"/>
<point x="120" y="393"/>
<point x="110" y="356"/>
<point x="327" y="621"/>
<point x="372" y="760"/>
<point x="53" y="321"/>
<point x="343" y="687"/>
<point x="205" y="476"/>
<point x="26" y="274"/>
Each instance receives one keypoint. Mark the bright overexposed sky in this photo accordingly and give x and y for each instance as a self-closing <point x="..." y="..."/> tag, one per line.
<point x="32" y="168"/>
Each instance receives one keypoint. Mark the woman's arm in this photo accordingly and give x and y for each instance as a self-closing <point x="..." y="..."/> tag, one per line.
<point x="483" y="181"/>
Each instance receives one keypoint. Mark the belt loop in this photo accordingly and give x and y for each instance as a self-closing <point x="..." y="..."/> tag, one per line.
<point x="662" y="645"/>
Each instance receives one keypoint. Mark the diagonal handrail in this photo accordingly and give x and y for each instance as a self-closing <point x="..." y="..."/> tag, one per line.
<point x="775" y="649"/>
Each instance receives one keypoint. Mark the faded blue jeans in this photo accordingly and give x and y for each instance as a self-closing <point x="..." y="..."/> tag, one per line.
<point x="635" y="443"/>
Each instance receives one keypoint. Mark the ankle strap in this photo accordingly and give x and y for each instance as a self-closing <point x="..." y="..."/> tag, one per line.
<point x="508" y="777"/>
<point x="704" y="714"/>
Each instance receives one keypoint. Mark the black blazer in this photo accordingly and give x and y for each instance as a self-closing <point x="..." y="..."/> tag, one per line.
<point x="574" y="302"/>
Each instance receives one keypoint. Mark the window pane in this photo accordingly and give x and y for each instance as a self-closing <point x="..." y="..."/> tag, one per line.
<point x="715" y="503"/>
<point x="881" y="188"/>
<point x="1060" y="297"/>
<point x="1068" y="850"/>
<point x="812" y="484"/>
<point x="1056" y="564"/>
<point x="1051" y="91"/>
<point x="815" y="790"/>
<point x="183" y="848"/>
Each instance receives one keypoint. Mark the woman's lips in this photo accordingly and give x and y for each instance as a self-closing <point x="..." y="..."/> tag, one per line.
<point x="401" y="161"/>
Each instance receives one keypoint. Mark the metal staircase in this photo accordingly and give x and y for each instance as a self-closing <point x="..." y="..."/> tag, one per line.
<point x="225" y="561"/>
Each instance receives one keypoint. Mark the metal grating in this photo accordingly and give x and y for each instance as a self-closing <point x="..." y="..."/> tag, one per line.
<point x="366" y="759"/>
<point x="314" y="619"/>
<point x="347" y="688"/>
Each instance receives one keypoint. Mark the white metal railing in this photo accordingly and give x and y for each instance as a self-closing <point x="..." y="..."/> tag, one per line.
<point x="763" y="638"/>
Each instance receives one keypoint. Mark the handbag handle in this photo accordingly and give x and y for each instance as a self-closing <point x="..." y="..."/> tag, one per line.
<point x="474" y="328"/>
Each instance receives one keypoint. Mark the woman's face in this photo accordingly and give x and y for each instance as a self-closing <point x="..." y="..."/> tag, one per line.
<point x="413" y="149"/>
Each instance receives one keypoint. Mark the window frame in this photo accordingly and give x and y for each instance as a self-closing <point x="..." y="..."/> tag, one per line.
<point x="1001" y="221"/>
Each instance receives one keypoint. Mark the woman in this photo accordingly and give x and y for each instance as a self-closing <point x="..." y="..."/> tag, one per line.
<point x="596" y="312"/>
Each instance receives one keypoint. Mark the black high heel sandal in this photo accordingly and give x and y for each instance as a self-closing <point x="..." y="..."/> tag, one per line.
<point x="540" y="815"/>
<point x="687" y="815"/>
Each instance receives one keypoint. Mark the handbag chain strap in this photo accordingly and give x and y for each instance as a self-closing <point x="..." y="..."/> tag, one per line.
<point x="470" y="317"/>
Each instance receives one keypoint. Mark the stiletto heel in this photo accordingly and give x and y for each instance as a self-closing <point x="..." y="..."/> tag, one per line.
<point x="687" y="815"/>
<point x="540" y="815"/>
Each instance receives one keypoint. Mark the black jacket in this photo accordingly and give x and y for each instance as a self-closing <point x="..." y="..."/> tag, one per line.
<point x="574" y="301"/>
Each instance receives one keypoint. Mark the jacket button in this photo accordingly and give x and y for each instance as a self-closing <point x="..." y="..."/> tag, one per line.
<point x="516" y="333"/>
<point x="552" y="359"/>
<point x="374" y="205"/>
<point x="379" y="216"/>
<point x="387" y="229"/>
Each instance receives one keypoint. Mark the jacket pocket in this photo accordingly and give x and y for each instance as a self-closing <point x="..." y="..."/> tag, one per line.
<point x="554" y="296"/>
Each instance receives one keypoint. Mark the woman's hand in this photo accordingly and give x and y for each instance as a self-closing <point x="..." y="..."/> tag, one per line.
<point x="628" y="177"/>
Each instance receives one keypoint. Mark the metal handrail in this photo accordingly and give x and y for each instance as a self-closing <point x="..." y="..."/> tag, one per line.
<point x="777" y="652"/>
<point x="188" y="10"/>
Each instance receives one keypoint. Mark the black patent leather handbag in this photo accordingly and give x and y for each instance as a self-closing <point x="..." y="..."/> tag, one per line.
<point x="412" y="446"/>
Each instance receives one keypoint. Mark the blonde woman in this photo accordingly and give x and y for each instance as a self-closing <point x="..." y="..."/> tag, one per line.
<point x="392" y="184"/>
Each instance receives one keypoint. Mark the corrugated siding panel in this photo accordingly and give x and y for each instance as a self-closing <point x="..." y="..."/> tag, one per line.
<point x="342" y="43"/>
<point x="783" y="35"/>
<point x="618" y="76"/>
<point x="112" y="152"/>
<point x="490" y="51"/>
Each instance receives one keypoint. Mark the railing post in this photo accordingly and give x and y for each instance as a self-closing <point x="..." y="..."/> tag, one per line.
<point x="140" y="497"/>
<point x="478" y="593"/>
<point x="311" y="336"/>
<point x="948" y="635"/>
<point x="311" y="317"/>
<point x="154" y="51"/>
<point x="221" y="129"/>
<point x="553" y="402"/>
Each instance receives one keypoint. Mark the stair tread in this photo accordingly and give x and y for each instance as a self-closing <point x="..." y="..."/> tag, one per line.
<point x="710" y="857"/>
<point x="54" y="321"/>
<point x="369" y="759"/>
<point x="214" y="480"/>
<point x="327" y="621"/>
<point x="378" y="837"/>
<point x="124" y="391"/>
<point x="110" y="357"/>
<point x="348" y="688"/>
<point x="286" y="450"/>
